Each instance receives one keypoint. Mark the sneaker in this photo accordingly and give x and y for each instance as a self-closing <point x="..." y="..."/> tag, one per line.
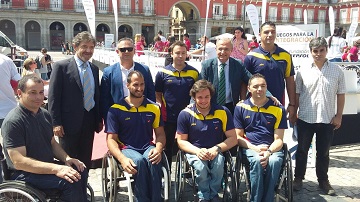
<point x="326" y="187"/>
<point x="297" y="184"/>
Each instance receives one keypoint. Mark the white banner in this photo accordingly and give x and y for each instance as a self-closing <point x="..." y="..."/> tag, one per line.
<point x="89" y="8"/>
<point x="305" y="17"/>
<point x="253" y="15"/>
<point x="295" y="39"/>
<point x="331" y="20"/>
<point x="352" y="29"/>
<point x="263" y="11"/>
<point x="109" y="38"/>
<point x="115" y="7"/>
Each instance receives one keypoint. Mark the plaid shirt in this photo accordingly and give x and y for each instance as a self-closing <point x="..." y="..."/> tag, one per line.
<point x="318" y="89"/>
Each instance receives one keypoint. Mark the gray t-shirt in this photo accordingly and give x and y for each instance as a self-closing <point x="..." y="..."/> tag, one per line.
<point x="34" y="131"/>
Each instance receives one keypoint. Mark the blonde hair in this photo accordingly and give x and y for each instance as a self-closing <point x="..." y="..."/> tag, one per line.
<point x="137" y="37"/>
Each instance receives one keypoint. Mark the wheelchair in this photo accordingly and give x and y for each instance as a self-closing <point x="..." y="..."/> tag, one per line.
<point x="283" y="188"/>
<point x="16" y="190"/>
<point x="185" y="175"/>
<point x="112" y="173"/>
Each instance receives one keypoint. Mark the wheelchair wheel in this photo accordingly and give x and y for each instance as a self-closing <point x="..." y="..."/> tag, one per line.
<point x="230" y="191"/>
<point x="19" y="191"/>
<point x="165" y="178"/>
<point x="108" y="173"/>
<point x="179" y="176"/>
<point x="288" y="184"/>
<point x="90" y="193"/>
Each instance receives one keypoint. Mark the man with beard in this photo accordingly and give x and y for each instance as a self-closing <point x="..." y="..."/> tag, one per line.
<point x="130" y="125"/>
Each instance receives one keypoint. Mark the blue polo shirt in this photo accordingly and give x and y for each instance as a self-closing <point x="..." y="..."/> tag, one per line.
<point x="134" y="126"/>
<point x="259" y="123"/>
<point x="275" y="68"/>
<point x="205" y="132"/>
<point x="175" y="87"/>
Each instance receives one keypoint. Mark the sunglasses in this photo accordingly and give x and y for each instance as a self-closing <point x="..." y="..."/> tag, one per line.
<point x="31" y="63"/>
<point x="123" y="50"/>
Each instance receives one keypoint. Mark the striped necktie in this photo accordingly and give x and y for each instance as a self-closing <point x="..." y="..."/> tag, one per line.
<point x="221" y="96"/>
<point x="86" y="88"/>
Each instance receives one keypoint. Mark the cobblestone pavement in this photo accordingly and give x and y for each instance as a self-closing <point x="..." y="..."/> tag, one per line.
<point x="344" y="175"/>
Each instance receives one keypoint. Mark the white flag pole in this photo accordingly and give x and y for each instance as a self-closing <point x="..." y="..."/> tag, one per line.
<point x="305" y="17"/>
<point x="263" y="11"/>
<point x="206" y="22"/>
<point x="331" y="20"/>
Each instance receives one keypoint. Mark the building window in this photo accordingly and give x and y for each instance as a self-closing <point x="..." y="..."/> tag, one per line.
<point x="217" y="11"/>
<point x="297" y="15"/>
<point x="354" y="15"/>
<point x="125" y="7"/>
<point x="231" y="11"/>
<point x="32" y="4"/>
<point x="259" y="11"/>
<point x="56" y="5"/>
<point x="310" y="16"/>
<point x="272" y="13"/>
<point x="285" y="14"/>
<point x="102" y="6"/>
<point x="334" y="1"/>
<point x="79" y="6"/>
<point x="343" y="16"/>
<point x="321" y="16"/>
<point x="148" y="7"/>
<point x="323" y="1"/>
<point x="311" y="1"/>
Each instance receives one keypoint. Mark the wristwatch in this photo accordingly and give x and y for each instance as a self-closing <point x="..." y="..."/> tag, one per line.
<point x="269" y="150"/>
<point x="218" y="148"/>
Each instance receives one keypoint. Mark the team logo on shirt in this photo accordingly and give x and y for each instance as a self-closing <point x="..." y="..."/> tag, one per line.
<point x="169" y="80"/>
<point x="127" y="118"/>
<point x="193" y="124"/>
<point x="247" y="117"/>
<point x="262" y="64"/>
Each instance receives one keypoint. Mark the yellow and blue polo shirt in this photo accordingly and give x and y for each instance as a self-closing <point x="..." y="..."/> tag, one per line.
<point x="275" y="67"/>
<point x="134" y="126"/>
<point x="205" y="131"/>
<point x="175" y="87"/>
<point x="259" y="123"/>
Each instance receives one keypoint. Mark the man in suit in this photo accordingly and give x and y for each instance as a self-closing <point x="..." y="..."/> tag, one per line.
<point x="228" y="75"/>
<point x="113" y="83"/>
<point x="74" y="100"/>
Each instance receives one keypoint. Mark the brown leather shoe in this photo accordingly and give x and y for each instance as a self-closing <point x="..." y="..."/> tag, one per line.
<point x="326" y="187"/>
<point x="297" y="184"/>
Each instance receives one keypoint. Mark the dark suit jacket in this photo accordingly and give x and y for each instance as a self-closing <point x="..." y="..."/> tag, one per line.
<point x="66" y="104"/>
<point x="112" y="86"/>
<point x="237" y="74"/>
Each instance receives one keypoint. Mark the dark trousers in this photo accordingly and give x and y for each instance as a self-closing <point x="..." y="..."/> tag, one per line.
<point x="324" y="137"/>
<point x="170" y="148"/>
<point x="79" y="145"/>
<point x="71" y="192"/>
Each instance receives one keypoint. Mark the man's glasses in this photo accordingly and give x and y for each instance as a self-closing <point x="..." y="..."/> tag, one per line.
<point x="123" y="50"/>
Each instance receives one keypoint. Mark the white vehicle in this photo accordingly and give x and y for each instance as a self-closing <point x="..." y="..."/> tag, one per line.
<point x="6" y="44"/>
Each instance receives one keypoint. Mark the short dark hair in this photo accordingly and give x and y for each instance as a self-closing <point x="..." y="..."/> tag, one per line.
<point x="22" y="83"/>
<point x="177" y="43"/>
<point x="255" y="76"/>
<point x="160" y="32"/>
<point x="84" y="36"/>
<point x="126" y="39"/>
<point x="317" y="43"/>
<point x="44" y="50"/>
<point x="201" y="85"/>
<point x="270" y="23"/>
<point x="139" y="74"/>
<point x="187" y="35"/>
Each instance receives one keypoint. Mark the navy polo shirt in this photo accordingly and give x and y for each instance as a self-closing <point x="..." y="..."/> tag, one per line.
<point x="259" y="123"/>
<point x="175" y="87"/>
<point x="205" y="131"/>
<point x="134" y="126"/>
<point x="275" y="67"/>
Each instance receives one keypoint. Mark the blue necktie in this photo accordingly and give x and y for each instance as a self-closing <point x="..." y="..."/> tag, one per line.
<point x="221" y="96"/>
<point x="86" y="88"/>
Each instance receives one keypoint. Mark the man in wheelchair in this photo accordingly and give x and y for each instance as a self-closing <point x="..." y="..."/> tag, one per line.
<point x="200" y="131"/>
<point x="264" y="125"/>
<point x="30" y="147"/>
<point x="129" y="126"/>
